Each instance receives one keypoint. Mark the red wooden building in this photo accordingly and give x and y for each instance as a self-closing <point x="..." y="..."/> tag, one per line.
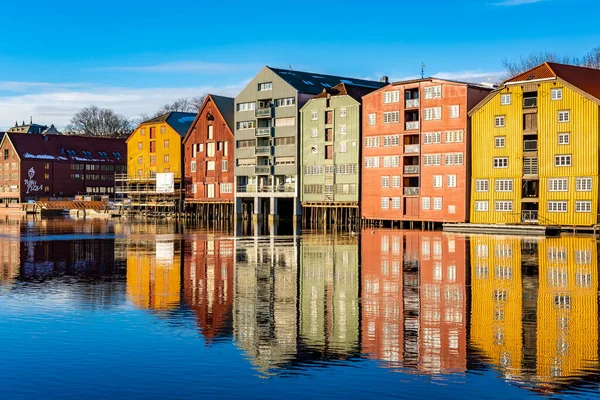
<point x="416" y="151"/>
<point x="208" y="153"/>
<point x="34" y="166"/>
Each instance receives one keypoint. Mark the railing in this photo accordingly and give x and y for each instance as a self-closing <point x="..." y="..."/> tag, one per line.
<point x="530" y="166"/>
<point x="529" y="102"/>
<point x="529" y="216"/>
<point x="263" y="131"/>
<point x="530" y="145"/>
<point x="262" y="150"/>
<point x="411" y="191"/>
<point x="412" y="148"/>
<point x="411" y="103"/>
<point x="262" y="112"/>
<point x="411" y="169"/>
<point x="412" y="125"/>
<point x="287" y="188"/>
<point x="262" y="169"/>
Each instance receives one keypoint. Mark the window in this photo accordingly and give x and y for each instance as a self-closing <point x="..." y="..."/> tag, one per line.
<point x="152" y="147"/>
<point x="308" y="83"/>
<point x="315" y="132"/>
<point x="504" y="206"/>
<point x="265" y="86"/>
<point x="372" y="119"/>
<point x="558" y="185"/>
<point x="391" y="97"/>
<point x="563" y="138"/>
<point x="387" y="161"/>
<point x="166" y="158"/>
<point x="246" y="125"/>
<point x="210" y="149"/>
<point x="583" y="206"/>
<point x="583" y="184"/>
<point x="210" y="165"/>
<point x="437" y="181"/>
<point x="391" y="117"/>
<point x="289" y="121"/>
<point x="433" y="92"/>
<point x="500" y="141"/>
<point x="557" y="206"/>
<point x="432" y="138"/>
<point x="505" y="99"/>
<point x="140" y="160"/>
<point x="193" y="166"/>
<point x="246" y="162"/>
<point x="500" y="162"/>
<point x="481" y="205"/>
<point x="342" y="147"/>
<point x="432" y="113"/>
<point x="437" y="203"/>
<point x="291" y="160"/>
<point x="152" y="160"/>
<point x="287" y="102"/>
<point x="152" y="133"/>
<point x="454" y="136"/>
<point x="454" y="111"/>
<point x="224" y="165"/>
<point x="454" y="159"/>
<point x="343" y="112"/>
<point x="432" y="159"/>
<point x="343" y="129"/>
<point x="210" y="132"/>
<point x="564" y="116"/>
<point x="500" y="121"/>
<point x="385" y="203"/>
<point x="143" y="132"/>
<point x="313" y="170"/>
<point x="451" y="181"/>
<point x="226" y="188"/>
<point x="556" y="94"/>
<point x="166" y="143"/>
<point x="562" y="160"/>
<point x="314" y="116"/>
<point x="246" y="106"/>
<point x="395" y="181"/>
<point x="426" y="203"/>
<point x="140" y="145"/>
<point x="285" y="141"/>
<point x="504" y="185"/>
<point x="241" y="144"/>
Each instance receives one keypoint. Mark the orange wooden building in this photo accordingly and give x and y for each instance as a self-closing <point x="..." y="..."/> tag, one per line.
<point x="415" y="151"/>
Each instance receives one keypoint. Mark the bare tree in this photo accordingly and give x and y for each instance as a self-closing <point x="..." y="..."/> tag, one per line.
<point x="95" y="121"/>
<point x="590" y="60"/>
<point x="183" y="104"/>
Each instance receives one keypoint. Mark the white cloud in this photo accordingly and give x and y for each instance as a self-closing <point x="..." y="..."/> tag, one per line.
<point x="184" y="67"/>
<point x="510" y="3"/>
<point x="9" y="86"/>
<point x="58" y="106"/>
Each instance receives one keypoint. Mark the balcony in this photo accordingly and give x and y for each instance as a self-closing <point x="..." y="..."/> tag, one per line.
<point x="246" y="189"/>
<point x="263" y="112"/>
<point x="263" y="131"/>
<point x="530" y="166"/>
<point x="411" y="169"/>
<point x="262" y="150"/>
<point x="530" y="102"/>
<point x="411" y="191"/>
<point x="412" y="125"/>
<point x="530" y="145"/>
<point x="262" y="170"/>
<point x="413" y="103"/>
<point x="412" y="148"/>
<point x="287" y="188"/>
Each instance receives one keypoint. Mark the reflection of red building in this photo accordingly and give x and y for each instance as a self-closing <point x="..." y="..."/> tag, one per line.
<point x="208" y="284"/>
<point x="10" y="258"/>
<point x="414" y="305"/>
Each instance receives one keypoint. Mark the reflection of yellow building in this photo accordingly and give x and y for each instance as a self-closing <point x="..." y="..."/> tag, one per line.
<point x="567" y="320"/>
<point x="496" y="316"/>
<point x="329" y="278"/>
<point x="153" y="274"/>
<point x="10" y="249"/>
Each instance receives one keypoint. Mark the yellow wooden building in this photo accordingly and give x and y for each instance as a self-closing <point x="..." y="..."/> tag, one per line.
<point x="535" y="144"/>
<point x="155" y="146"/>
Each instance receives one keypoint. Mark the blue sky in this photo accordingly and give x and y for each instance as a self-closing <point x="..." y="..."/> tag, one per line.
<point x="133" y="56"/>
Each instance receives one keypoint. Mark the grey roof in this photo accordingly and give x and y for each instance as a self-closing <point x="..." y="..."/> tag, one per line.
<point x="180" y="121"/>
<point x="313" y="83"/>
<point x="226" y="106"/>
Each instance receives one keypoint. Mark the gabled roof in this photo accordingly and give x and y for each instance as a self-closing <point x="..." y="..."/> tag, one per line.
<point x="345" y="89"/>
<point x="313" y="83"/>
<point x="225" y="106"/>
<point x="179" y="121"/>
<point x="68" y="148"/>
<point x="542" y="71"/>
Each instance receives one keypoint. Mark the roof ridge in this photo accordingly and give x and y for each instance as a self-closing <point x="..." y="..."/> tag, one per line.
<point x="551" y="69"/>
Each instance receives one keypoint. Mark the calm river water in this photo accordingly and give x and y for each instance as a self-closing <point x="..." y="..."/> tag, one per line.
<point x="107" y="309"/>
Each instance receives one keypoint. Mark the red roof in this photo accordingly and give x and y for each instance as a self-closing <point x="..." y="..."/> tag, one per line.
<point x="69" y="148"/>
<point x="542" y="71"/>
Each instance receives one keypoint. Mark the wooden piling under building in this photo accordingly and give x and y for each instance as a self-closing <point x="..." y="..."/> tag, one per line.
<point x="331" y="216"/>
<point x="218" y="213"/>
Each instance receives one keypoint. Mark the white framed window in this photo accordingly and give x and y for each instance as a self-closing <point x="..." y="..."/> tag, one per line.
<point x="314" y="132"/>
<point x="452" y="209"/>
<point x="500" y="162"/>
<point x="564" y="116"/>
<point x="500" y="141"/>
<point x="391" y="97"/>
<point x="387" y="161"/>
<point x="395" y="161"/>
<point x="433" y="92"/>
<point x="482" y="185"/>
<point x="432" y="159"/>
<point x="504" y="206"/>
<point x="288" y="121"/>
<point x="224" y="165"/>
<point x="210" y="149"/>
<point x="226" y="188"/>
<point x="556" y="94"/>
<point x="583" y="206"/>
<point x="451" y="181"/>
<point x="193" y="166"/>
<point x="563" y="138"/>
<point x="395" y="181"/>
<point x="432" y="113"/>
<point x="385" y="203"/>
<point x="504" y="185"/>
<point x="194" y="189"/>
<point x="286" y="102"/>
<point x="505" y="99"/>
<point x="454" y="136"/>
<point x="314" y="116"/>
<point x="558" y="185"/>
<point x="343" y="129"/>
<point x="500" y="121"/>
<point x="391" y="117"/>
<point x="342" y="147"/>
<point x="210" y="165"/>
<point x="246" y="106"/>
<point x="246" y="125"/>
<point x="385" y="181"/>
<point x="454" y="159"/>
<point x="265" y="86"/>
<point x="557" y="206"/>
<point x="437" y="203"/>
<point x="455" y="111"/>
<point x="343" y="112"/>
<point x="583" y="184"/>
<point x="562" y="160"/>
<point x="425" y="203"/>
<point x="482" y="205"/>
<point x="432" y="138"/>
<point x="396" y="203"/>
<point x="372" y="118"/>
<point x="437" y="181"/>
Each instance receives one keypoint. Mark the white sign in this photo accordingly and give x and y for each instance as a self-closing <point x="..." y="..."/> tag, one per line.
<point x="31" y="184"/>
<point x="165" y="182"/>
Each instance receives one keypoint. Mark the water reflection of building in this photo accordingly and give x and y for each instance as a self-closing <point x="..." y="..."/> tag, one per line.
<point x="329" y="282"/>
<point x="265" y="303"/>
<point x="414" y="302"/>
<point x="10" y="255"/>
<point x="153" y="273"/>
<point x="208" y="283"/>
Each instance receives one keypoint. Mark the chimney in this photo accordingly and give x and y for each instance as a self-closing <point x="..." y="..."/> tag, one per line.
<point x="385" y="79"/>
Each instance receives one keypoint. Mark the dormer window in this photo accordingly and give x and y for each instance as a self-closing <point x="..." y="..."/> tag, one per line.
<point x="117" y="154"/>
<point x="87" y="153"/>
<point x="103" y="154"/>
<point x="71" y="152"/>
